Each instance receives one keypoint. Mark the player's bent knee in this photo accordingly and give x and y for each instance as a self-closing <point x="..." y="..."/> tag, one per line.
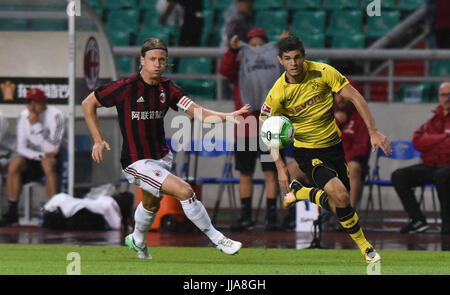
<point x="185" y="192"/>
<point x="342" y="199"/>
<point x="337" y="192"/>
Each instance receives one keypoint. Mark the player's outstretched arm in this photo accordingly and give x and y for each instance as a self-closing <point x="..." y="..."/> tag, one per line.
<point x="376" y="137"/>
<point x="283" y="173"/>
<point x="209" y="116"/>
<point x="89" y="106"/>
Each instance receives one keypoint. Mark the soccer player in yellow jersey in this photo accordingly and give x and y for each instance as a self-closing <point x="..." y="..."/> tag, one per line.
<point x="303" y="94"/>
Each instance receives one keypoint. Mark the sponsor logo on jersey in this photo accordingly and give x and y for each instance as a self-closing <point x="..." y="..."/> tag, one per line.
<point x="147" y="115"/>
<point x="162" y="97"/>
<point x="265" y="109"/>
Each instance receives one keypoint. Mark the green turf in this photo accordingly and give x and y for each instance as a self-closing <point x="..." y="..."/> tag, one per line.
<point x="101" y="260"/>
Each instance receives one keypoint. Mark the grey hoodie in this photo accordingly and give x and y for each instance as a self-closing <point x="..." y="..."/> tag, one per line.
<point x="258" y="72"/>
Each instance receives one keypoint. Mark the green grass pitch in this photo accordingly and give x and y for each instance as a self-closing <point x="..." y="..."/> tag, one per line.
<point x="19" y="259"/>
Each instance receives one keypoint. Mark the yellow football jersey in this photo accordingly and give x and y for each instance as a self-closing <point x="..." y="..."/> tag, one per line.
<point x="309" y="105"/>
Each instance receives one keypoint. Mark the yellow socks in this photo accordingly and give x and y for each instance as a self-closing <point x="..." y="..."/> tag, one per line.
<point x="350" y="222"/>
<point x="346" y="216"/>
<point x="315" y="195"/>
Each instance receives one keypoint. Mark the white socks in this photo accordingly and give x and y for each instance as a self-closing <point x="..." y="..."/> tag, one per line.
<point x="193" y="209"/>
<point x="143" y="221"/>
<point x="196" y="212"/>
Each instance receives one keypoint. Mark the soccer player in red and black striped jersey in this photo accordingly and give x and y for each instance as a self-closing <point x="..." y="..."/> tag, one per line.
<point x="142" y="100"/>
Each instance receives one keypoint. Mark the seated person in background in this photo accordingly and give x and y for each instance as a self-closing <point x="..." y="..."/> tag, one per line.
<point x="39" y="133"/>
<point x="432" y="140"/>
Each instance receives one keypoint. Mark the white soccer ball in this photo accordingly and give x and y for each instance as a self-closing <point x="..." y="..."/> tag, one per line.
<point x="277" y="132"/>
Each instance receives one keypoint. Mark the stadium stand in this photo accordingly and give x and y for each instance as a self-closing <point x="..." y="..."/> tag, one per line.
<point x="340" y="4"/>
<point x="305" y="4"/>
<point x="349" y="22"/>
<point x="319" y="23"/>
<point x="197" y="89"/>
<point x="267" y="4"/>
<point x="278" y="22"/>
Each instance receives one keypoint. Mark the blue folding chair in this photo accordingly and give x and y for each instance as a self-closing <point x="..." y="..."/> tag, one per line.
<point x="401" y="150"/>
<point x="213" y="148"/>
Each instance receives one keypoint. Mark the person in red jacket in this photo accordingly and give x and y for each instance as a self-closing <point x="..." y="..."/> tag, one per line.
<point x="252" y="68"/>
<point x="356" y="142"/>
<point x="432" y="140"/>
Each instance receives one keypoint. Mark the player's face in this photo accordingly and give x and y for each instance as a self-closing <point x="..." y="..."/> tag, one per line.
<point x="444" y="96"/>
<point x="256" y="41"/>
<point x="292" y="61"/>
<point x="36" y="107"/>
<point x="154" y="63"/>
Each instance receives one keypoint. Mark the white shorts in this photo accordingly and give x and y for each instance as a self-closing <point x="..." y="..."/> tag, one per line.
<point x="149" y="174"/>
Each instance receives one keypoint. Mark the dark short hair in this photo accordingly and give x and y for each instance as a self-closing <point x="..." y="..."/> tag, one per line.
<point x="153" y="43"/>
<point x="290" y="43"/>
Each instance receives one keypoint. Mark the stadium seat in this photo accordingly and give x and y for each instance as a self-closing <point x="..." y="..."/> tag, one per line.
<point x="272" y="21"/>
<point x="222" y="4"/>
<point x="208" y="26"/>
<point x="207" y="4"/>
<point x="151" y="21"/>
<point x="47" y="24"/>
<point x="202" y="89"/>
<point x="163" y="33"/>
<point x="94" y="3"/>
<point x="312" y="22"/>
<point x="311" y="40"/>
<point x="124" y="64"/>
<point x="354" y="41"/>
<point x="147" y="4"/>
<point x="378" y="26"/>
<point x="409" y="68"/>
<point x="123" y="19"/>
<point x="199" y="89"/>
<point x="267" y="4"/>
<point x="115" y="4"/>
<point x="119" y="37"/>
<point x="341" y="4"/>
<point x="9" y="24"/>
<point x="402" y="150"/>
<point x="410" y="5"/>
<point x="424" y="92"/>
<point x="344" y="21"/>
<point x="193" y="65"/>
<point x="440" y="68"/>
<point x="305" y="4"/>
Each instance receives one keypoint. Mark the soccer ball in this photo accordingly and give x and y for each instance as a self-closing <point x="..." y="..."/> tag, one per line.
<point x="277" y="132"/>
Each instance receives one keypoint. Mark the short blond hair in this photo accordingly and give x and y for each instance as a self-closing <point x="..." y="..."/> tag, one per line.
<point x="153" y="43"/>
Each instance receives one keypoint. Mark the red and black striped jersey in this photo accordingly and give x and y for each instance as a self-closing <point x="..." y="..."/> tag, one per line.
<point x="141" y="109"/>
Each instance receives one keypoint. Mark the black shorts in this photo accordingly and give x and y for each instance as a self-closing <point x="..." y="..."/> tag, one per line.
<point x="321" y="165"/>
<point x="33" y="171"/>
<point x="245" y="160"/>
